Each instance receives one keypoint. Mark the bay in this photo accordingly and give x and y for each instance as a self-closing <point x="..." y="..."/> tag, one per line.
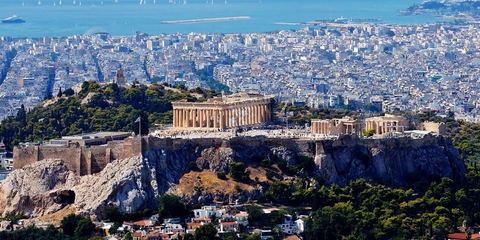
<point x="50" y="18"/>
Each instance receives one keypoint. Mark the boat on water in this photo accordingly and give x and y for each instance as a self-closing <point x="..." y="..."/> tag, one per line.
<point x="13" y="19"/>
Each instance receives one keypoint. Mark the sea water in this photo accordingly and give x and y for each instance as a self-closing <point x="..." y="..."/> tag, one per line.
<point x="124" y="17"/>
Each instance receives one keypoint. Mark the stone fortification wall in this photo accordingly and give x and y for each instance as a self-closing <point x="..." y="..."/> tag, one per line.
<point x="80" y="159"/>
<point x="391" y="161"/>
<point x="134" y="183"/>
<point x="388" y="160"/>
<point x="299" y="145"/>
<point x="23" y="156"/>
<point x="438" y="128"/>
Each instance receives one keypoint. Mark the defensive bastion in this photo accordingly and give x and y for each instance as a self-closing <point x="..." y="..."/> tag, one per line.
<point x="84" y="160"/>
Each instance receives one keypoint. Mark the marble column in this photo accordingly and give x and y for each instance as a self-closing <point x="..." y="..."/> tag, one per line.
<point x="222" y="119"/>
<point x="265" y="113"/>
<point x="194" y="118"/>
<point x="216" y="118"/>
<point x="259" y="114"/>
<point x="227" y="118"/>
<point x="252" y="114"/>
<point x="175" y="117"/>
<point x="237" y="118"/>
<point x="207" y="118"/>
<point x="244" y="116"/>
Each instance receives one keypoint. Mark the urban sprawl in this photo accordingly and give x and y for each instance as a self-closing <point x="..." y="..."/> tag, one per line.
<point x="431" y="67"/>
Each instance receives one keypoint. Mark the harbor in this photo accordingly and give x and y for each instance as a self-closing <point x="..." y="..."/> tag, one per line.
<point x="334" y="22"/>
<point x="207" y="20"/>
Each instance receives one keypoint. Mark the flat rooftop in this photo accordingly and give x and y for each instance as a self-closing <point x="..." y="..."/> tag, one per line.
<point x="94" y="135"/>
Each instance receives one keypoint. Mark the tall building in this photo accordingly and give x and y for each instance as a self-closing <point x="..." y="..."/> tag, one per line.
<point x="120" y="78"/>
<point x="236" y="110"/>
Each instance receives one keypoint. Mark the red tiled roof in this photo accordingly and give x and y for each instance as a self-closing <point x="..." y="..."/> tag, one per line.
<point x="228" y="223"/>
<point x="462" y="236"/>
<point x="292" y="237"/>
<point x="137" y="234"/>
<point x="192" y="225"/>
<point x="143" y="223"/>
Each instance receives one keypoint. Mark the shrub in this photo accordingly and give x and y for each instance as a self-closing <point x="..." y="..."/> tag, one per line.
<point x="282" y="164"/>
<point x="265" y="163"/>
<point x="254" y="212"/>
<point x="192" y="166"/>
<point x="113" y="214"/>
<point x="221" y="175"/>
<point x="279" y="192"/>
<point x="269" y="175"/>
<point x="368" y="133"/>
<point x="237" y="171"/>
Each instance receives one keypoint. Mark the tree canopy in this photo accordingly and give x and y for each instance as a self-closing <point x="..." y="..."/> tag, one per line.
<point x="94" y="108"/>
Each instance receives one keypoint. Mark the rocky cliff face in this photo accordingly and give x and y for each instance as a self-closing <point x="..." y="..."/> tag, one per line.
<point x="135" y="183"/>
<point x="393" y="162"/>
<point x="38" y="189"/>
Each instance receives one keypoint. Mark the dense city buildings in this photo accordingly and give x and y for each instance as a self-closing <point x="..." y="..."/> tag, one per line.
<point x="430" y="67"/>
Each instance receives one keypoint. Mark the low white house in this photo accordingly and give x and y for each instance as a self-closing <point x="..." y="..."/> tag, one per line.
<point x="288" y="226"/>
<point x="242" y="218"/>
<point x="208" y="212"/>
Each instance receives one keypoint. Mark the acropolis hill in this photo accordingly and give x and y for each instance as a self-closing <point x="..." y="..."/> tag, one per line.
<point x="132" y="172"/>
<point x="340" y="159"/>
<point x="94" y="170"/>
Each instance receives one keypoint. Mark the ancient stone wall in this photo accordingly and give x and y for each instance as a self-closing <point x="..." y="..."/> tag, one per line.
<point x="79" y="159"/>
<point x="438" y="128"/>
<point x="23" y="156"/>
<point x="89" y="160"/>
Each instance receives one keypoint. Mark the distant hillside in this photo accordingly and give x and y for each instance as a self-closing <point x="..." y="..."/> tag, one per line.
<point x="96" y="107"/>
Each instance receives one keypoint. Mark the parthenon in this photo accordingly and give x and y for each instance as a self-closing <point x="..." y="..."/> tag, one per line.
<point x="223" y="112"/>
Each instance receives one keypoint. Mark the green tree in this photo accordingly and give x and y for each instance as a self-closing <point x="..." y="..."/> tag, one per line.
<point x="255" y="236"/>
<point x="255" y="213"/>
<point x="368" y="133"/>
<point x="114" y="228"/>
<point x="169" y="206"/>
<point x="205" y="232"/>
<point x="68" y="92"/>
<point x="279" y="192"/>
<point x="84" y="229"/>
<point x="70" y="223"/>
<point x="112" y="213"/>
<point x="237" y="171"/>
<point x="59" y="94"/>
<point x="265" y="163"/>
<point x="276" y="217"/>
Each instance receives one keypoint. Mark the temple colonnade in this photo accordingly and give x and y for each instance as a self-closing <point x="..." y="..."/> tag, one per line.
<point x="222" y="113"/>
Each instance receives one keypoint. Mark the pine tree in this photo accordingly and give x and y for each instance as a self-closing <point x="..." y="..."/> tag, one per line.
<point x="59" y="92"/>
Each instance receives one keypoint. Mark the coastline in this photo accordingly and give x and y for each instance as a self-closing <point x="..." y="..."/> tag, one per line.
<point x="125" y="19"/>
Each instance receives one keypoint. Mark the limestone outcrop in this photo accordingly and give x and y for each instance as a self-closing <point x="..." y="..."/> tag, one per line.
<point x="135" y="183"/>
<point x="393" y="162"/>
<point x="38" y="189"/>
